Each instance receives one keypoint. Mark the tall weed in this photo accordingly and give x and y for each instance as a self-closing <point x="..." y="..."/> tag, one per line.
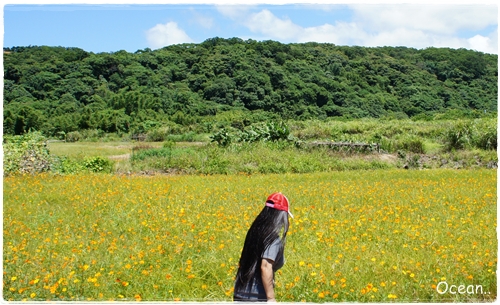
<point x="480" y="133"/>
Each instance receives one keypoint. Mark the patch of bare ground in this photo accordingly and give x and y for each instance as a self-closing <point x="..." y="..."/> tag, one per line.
<point x="120" y="157"/>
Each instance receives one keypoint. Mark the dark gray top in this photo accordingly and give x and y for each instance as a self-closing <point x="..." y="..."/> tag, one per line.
<point x="273" y="253"/>
<point x="255" y="290"/>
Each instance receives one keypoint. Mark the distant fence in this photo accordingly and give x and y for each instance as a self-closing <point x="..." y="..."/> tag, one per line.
<point x="348" y="145"/>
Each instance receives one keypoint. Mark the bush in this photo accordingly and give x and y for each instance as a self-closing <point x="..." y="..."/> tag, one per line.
<point x="185" y="137"/>
<point x="27" y="153"/>
<point x="158" y="134"/>
<point x="73" y="136"/>
<point x="222" y="137"/>
<point x="98" y="165"/>
<point x="412" y="144"/>
<point x="64" y="165"/>
<point x="150" y="153"/>
<point x="91" y="134"/>
<point x="258" y="132"/>
<point x="479" y="133"/>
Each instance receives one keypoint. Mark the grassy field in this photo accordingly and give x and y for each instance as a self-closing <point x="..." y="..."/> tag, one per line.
<point x="79" y="150"/>
<point x="368" y="236"/>
<point x="458" y="144"/>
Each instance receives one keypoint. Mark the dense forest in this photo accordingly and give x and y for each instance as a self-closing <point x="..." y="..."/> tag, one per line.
<point x="59" y="90"/>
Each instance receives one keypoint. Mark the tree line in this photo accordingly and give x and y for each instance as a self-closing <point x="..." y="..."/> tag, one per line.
<point x="60" y="90"/>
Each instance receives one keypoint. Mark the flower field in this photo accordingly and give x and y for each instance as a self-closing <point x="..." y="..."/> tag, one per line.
<point x="367" y="236"/>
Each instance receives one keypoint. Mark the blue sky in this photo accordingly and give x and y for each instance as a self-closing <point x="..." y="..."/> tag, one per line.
<point x="112" y="27"/>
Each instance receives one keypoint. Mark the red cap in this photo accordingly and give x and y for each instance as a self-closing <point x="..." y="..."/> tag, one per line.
<point x="278" y="201"/>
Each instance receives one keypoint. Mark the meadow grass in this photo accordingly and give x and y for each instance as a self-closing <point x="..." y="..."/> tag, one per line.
<point x="381" y="236"/>
<point x="79" y="150"/>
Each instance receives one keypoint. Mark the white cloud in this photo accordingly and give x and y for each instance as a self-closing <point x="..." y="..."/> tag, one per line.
<point x="422" y="26"/>
<point x="442" y="19"/>
<point x="484" y="44"/>
<point x="342" y="33"/>
<point x="204" y="21"/>
<point x="411" y="25"/>
<point x="162" y="35"/>
<point x="234" y="12"/>
<point x="268" y="24"/>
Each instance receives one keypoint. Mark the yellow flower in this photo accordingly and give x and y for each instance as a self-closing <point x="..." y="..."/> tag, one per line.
<point x="392" y="296"/>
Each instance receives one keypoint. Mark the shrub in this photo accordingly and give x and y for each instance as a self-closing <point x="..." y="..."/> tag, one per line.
<point x="270" y="131"/>
<point x="222" y="137"/>
<point x="412" y="144"/>
<point x="27" y="153"/>
<point x="479" y="133"/>
<point x="91" y="134"/>
<point x="152" y="152"/>
<point x="98" y="164"/>
<point x="158" y="134"/>
<point x="73" y="136"/>
<point x="185" y="137"/>
<point x="64" y="165"/>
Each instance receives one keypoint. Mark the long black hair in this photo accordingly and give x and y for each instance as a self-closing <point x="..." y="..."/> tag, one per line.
<point x="264" y="231"/>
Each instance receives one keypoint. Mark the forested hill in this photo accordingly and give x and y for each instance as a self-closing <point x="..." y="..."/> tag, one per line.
<point x="56" y="89"/>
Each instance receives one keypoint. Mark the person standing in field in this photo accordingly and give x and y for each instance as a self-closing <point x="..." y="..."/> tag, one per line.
<point x="263" y="252"/>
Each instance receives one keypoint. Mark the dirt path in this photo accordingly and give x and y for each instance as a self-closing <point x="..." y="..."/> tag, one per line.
<point x="120" y="157"/>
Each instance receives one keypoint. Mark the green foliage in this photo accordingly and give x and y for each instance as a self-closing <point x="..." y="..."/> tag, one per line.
<point x="151" y="153"/>
<point x="55" y="89"/>
<point x="278" y="131"/>
<point x="411" y="144"/>
<point x="270" y="131"/>
<point x="26" y="154"/>
<point x="98" y="164"/>
<point x="480" y="134"/>
<point x="158" y="134"/>
<point x="222" y="137"/>
<point x="261" y="157"/>
<point x="65" y="165"/>
<point x="73" y="136"/>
